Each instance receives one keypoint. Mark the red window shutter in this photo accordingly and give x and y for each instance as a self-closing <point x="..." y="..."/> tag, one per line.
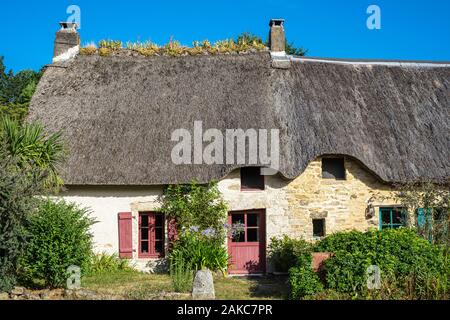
<point x="125" y="235"/>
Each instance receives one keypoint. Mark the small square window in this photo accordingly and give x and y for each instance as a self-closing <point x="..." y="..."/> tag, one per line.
<point x="318" y="228"/>
<point x="333" y="168"/>
<point x="251" y="179"/>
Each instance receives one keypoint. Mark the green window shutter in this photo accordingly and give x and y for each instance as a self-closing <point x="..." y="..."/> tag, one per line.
<point x="421" y="220"/>
<point x="425" y="221"/>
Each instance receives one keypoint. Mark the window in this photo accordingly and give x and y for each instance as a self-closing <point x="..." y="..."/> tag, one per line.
<point x="251" y="179"/>
<point x="249" y="226"/>
<point x="318" y="228"/>
<point x="333" y="168"/>
<point x="392" y="218"/>
<point x="151" y="235"/>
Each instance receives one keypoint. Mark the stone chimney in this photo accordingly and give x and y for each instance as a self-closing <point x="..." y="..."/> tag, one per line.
<point x="67" y="42"/>
<point x="277" y="38"/>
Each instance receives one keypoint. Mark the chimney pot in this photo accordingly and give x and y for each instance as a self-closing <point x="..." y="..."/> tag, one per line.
<point x="68" y="25"/>
<point x="277" y="37"/>
<point x="67" y="42"/>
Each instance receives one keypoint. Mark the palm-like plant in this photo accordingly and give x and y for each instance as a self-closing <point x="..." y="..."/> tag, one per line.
<point x="32" y="148"/>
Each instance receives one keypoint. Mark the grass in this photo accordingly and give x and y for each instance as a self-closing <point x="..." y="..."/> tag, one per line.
<point x="140" y="286"/>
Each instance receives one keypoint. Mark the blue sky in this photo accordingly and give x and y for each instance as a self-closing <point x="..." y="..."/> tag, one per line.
<point x="410" y="29"/>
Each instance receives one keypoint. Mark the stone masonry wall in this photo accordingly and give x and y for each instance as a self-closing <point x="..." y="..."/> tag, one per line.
<point x="342" y="203"/>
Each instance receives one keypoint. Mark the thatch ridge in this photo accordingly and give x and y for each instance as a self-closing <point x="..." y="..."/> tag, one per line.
<point x="117" y="114"/>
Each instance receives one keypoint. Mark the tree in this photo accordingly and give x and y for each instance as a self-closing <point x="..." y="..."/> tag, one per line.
<point x="18" y="188"/>
<point x="16" y="91"/>
<point x="292" y="50"/>
<point x="33" y="149"/>
<point x="3" y="78"/>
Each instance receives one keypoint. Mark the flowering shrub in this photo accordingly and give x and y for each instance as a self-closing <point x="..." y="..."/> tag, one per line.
<point x="200" y="249"/>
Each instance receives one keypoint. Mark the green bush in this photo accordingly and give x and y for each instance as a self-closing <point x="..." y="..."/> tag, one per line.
<point x="412" y="265"/>
<point x="59" y="238"/>
<point x="284" y="252"/>
<point x="18" y="188"/>
<point x="303" y="280"/>
<point x="200" y="250"/>
<point x="101" y="263"/>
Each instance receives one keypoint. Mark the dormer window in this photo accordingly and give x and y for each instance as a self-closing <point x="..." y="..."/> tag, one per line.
<point x="333" y="168"/>
<point x="251" y="179"/>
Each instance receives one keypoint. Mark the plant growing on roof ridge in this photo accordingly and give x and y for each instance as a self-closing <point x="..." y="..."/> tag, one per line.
<point x="104" y="52"/>
<point x="89" y="49"/>
<point x="146" y="48"/>
<point x="110" y="44"/>
<point x="174" y="48"/>
<point x="244" y="42"/>
<point x="196" y="48"/>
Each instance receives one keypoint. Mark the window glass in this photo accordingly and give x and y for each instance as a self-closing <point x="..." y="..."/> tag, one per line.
<point x="144" y="220"/>
<point x="158" y="234"/>
<point x="237" y="218"/>
<point x="252" y="235"/>
<point x="144" y="247"/>
<point x="333" y="168"/>
<point x="251" y="179"/>
<point x="397" y="216"/>
<point x="318" y="227"/>
<point x="386" y="216"/>
<point x="252" y="220"/>
<point x="159" y="246"/>
<point x="239" y="236"/>
<point x="158" y="220"/>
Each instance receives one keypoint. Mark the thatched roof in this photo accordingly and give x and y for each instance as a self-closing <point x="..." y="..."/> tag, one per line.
<point x="118" y="114"/>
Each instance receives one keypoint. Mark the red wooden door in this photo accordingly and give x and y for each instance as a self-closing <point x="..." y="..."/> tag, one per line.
<point x="247" y="249"/>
